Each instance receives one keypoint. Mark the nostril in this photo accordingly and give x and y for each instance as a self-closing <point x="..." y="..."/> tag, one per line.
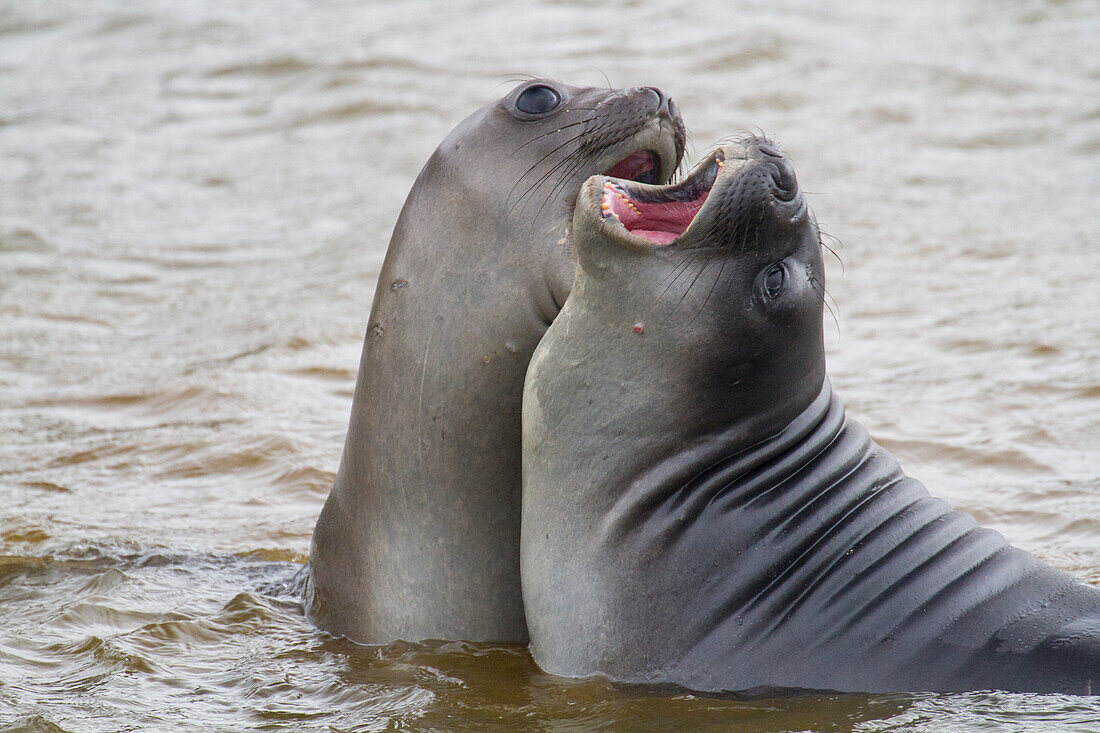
<point x="786" y="185"/>
<point x="662" y="100"/>
<point x="673" y="109"/>
<point x="769" y="149"/>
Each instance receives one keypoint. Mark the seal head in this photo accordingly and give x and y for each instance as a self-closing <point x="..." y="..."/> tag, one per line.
<point x="725" y="269"/>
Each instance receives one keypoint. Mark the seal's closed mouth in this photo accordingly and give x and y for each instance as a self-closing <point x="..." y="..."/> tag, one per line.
<point x="662" y="214"/>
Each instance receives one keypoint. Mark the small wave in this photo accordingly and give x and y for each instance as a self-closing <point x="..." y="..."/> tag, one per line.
<point x="293" y="586"/>
<point x="279" y="66"/>
<point x="31" y="534"/>
<point x="34" y="724"/>
<point x="275" y="555"/>
<point x="361" y="109"/>
<point x="24" y="240"/>
<point x="48" y="486"/>
<point x="327" y="373"/>
<point x="1012" y="459"/>
<point x="119" y="23"/>
<point x="748" y="51"/>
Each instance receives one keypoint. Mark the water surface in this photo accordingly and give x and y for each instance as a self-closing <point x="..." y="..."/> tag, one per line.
<point x="195" y="200"/>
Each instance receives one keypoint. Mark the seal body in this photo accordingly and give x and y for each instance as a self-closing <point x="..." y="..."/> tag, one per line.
<point x="419" y="537"/>
<point x="697" y="509"/>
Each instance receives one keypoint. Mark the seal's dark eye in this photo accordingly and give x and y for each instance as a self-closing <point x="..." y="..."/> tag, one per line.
<point x="537" y="100"/>
<point x="773" y="281"/>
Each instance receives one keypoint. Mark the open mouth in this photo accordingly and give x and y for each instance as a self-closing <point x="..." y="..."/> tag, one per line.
<point x="660" y="214"/>
<point x="643" y="167"/>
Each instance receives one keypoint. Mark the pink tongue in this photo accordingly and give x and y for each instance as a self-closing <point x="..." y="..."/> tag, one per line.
<point x="656" y="236"/>
<point x="634" y="166"/>
<point x="658" y="222"/>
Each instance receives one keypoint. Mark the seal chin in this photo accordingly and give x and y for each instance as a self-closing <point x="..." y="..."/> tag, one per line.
<point x="714" y="196"/>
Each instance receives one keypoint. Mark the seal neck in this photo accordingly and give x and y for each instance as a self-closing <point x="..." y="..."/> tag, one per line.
<point x="677" y="489"/>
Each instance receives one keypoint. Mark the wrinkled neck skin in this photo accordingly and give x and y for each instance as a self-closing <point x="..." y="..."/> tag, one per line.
<point x="668" y="538"/>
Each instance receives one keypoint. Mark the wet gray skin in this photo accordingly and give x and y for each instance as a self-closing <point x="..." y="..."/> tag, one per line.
<point x="697" y="509"/>
<point x="419" y="537"/>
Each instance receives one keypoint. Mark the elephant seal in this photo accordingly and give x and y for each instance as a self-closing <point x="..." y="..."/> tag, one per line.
<point x="697" y="509"/>
<point x="419" y="537"/>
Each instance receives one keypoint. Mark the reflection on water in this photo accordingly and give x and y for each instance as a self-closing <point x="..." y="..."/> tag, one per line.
<point x="194" y="204"/>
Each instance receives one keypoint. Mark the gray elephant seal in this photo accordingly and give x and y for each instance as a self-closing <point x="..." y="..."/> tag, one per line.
<point x="419" y="537"/>
<point x="698" y="511"/>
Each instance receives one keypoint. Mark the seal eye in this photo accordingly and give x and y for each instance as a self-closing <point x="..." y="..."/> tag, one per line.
<point x="537" y="100"/>
<point x="773" y="281"/>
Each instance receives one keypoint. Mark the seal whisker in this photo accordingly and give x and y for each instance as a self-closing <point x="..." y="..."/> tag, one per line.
<point x="555" y="132"/>
<point x="832" y="251"/>
<point x="605" y="78"/>
<point x="710" y="292"/>
<point x="543" y="178"/>
<point x="677" y="270"/>
<point x="518" y="76"/>
<point x="690" y="254"/>
<point x="691" y="285"/>
<point x="570" y="160"/>
<point x="593" y="118"/>
<point x="579" y="151"/>
<point x="562" y="181"/>
<point x="825" y="298"/>
<point x="514" y="79"/>
<point x="680" y="268"/>
<point x="547" y="155"/>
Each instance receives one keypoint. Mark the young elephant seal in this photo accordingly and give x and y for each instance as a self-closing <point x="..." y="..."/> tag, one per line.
<point x="419" y="537"/>
<point x="697" y="510"/>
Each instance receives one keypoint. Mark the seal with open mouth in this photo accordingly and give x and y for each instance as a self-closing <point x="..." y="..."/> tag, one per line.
<point x="698" y="511"/>
<point x="419" y="537"/>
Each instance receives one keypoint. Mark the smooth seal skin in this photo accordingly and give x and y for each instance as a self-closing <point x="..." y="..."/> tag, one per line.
<point x="419" y="537"/>
<point x="698" y="511"/>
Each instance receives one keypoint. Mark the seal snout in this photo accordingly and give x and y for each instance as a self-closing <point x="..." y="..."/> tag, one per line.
<point x="643" y="133"/>
<point x="762" y="170"/>
<point x="784" y="183"/>
<point x="666" y="108"/>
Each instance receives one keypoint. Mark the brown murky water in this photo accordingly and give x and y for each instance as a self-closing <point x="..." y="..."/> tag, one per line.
<point x="195" y="199"/>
